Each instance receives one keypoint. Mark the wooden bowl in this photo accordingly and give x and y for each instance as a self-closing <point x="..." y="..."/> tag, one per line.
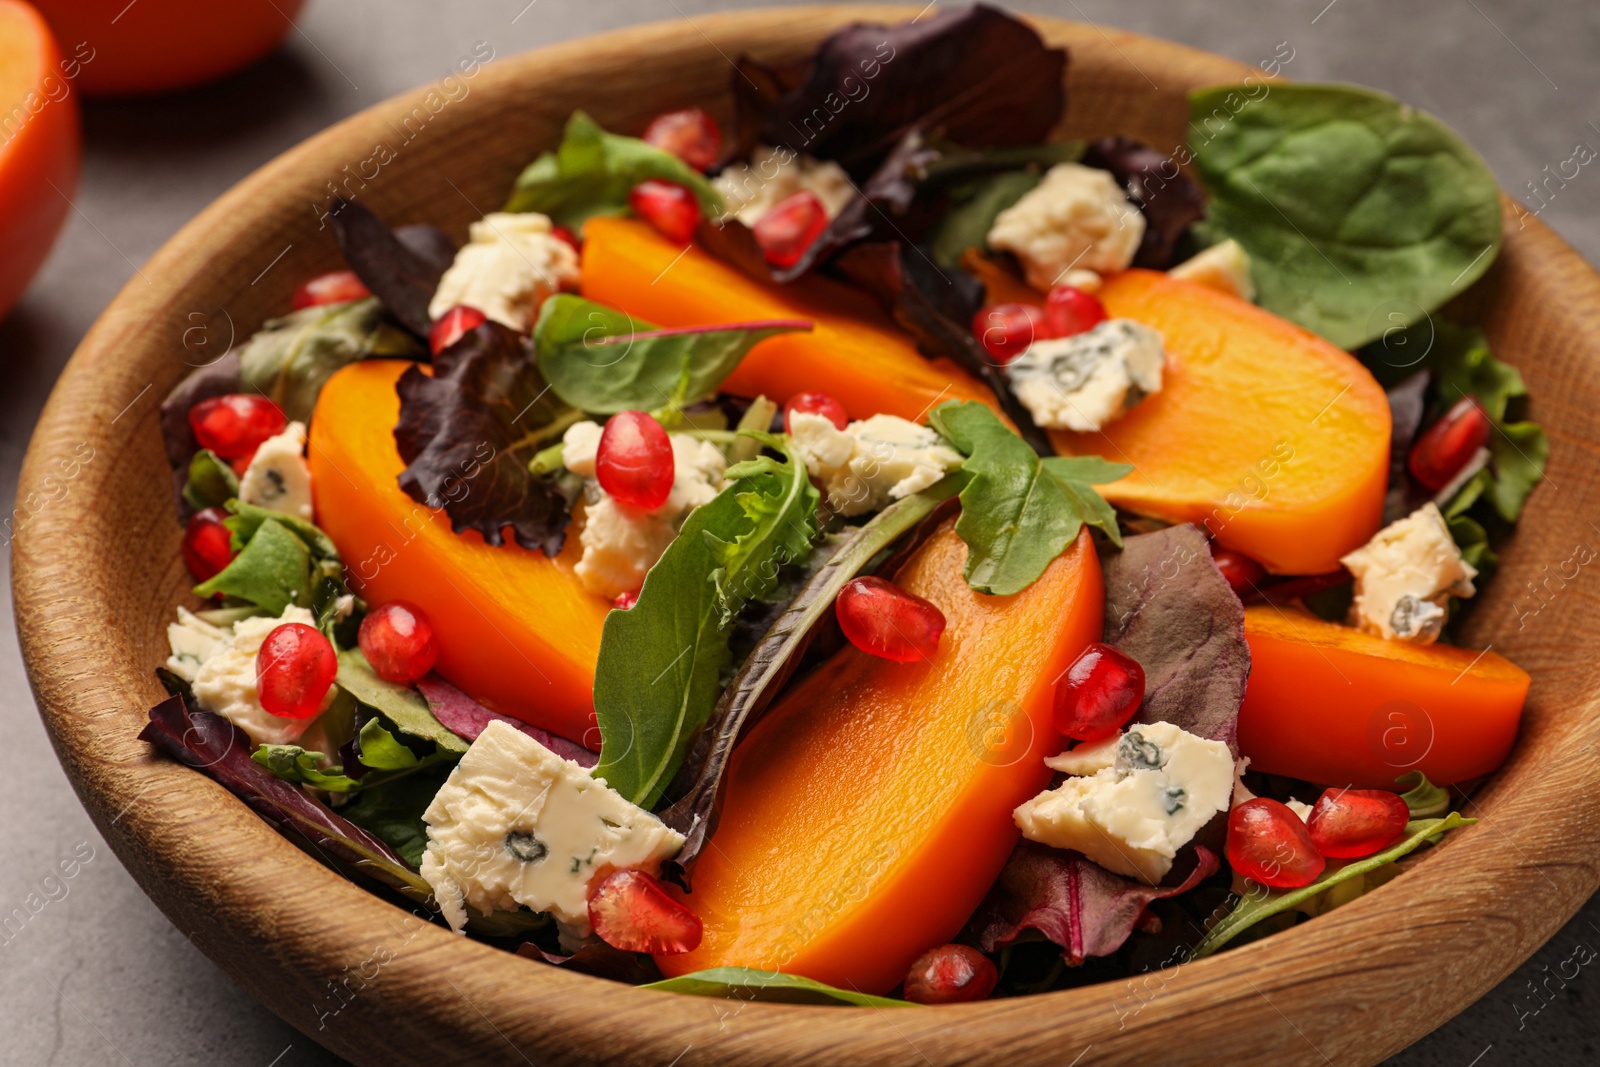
<point x="97" y="575"/>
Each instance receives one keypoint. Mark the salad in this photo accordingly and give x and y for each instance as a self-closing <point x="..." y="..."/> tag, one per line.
<point x="879" y="554"/>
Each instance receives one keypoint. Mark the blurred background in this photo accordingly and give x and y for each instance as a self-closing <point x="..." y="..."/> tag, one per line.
<point x="99" y="975"/>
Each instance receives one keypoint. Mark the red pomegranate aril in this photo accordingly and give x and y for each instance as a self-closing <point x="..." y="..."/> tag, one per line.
<point x="1006" y="330"/>
<point x="1243" y="573"/>
<point x="233" y="426"/>
<point x="334" y="287"/>
<point x="634" y="462"/>
<point x="790" y="227"/>
<point x="1099" y="693"/>
<point x="1069" y="310"/>
<point x="567" y="237"/>
<point x="815" y="404"/>
<point x="294" y="669"/>
<point x="207" y="543"/>
<point x="452" y="326"/>
<point x="1269" y="844"/>
<point x="1350" y="823"/>
<point x="883" y="620"/>
<point x="398" y="641"/>
<point x="691" y="134"/>
<point x="667" y="206"/>
<point x="630" y="911"/>
<point x="1449" y="444"/>
<point x="624" y="601"/>
<point x="950" y="974"/>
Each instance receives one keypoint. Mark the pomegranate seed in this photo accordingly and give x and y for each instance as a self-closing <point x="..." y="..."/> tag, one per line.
<point x="1449" y="444"/>
<point x="630" y="911"/>
<point x="1100" y="691"/>
<point x="691" y="135"/>
<point x="234" y="426"/>
<point x="567" y="237"/>
<point x="790" y="227"/>
<point x="1349" y="823"/>
<point x="881" y="619"/>
<point x="815" y="404"/>
<point x="950" y="974"/>
<point x="1006" y="330"/>
<point x="624" y="601"/>
<point x="634" y="462"/>
<point x="452" y="326"/>
<point x="1243" y="573"/>
<point x="669" y="207"/>
<point x="334" y="287"/>
<point x="397" y="640"/>
<point x="1268" y="843"/>
<point x="294" y="669"/>
<point x="207" y="543"/>
<point x="1068" y="310"/>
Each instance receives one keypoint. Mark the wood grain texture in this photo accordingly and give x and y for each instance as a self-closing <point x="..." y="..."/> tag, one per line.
<point x="97" y="574"/>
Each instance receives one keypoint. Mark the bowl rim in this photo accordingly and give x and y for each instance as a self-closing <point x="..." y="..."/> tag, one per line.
<point x="287" y="928"/>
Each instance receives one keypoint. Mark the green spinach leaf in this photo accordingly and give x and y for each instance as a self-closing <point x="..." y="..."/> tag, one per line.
<point x="392" y="810"/>
<point x="746" y="983"/>
<point x="290" y="358"/>
<point x="1353" y="206"/>
<point x="592" y="172"/>
<point x="1019" y="512"/>
<point x="976" y="205"/>
<point x="399" y="704"/>
<point x="211" y="483"/>
<point x="272" y="571"/>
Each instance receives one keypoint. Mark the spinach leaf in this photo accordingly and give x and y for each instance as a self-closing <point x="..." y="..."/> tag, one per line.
<point x="1351" y="204"/>
<point x="604" y="361"/>
<point x="399" y="704"/>
<point x="272" y="571"/>
<point x="392" y="810"/>
<point x="746" y="983"/>
<point x="592" y="172"/>
<point x="1262" y="903"/>
<point x="401" y="273"/>
<point x="1018" y="512"/>
<point x="974" y="208"/>
<point x="290" y="358"/>
<point x="660" y="663"/>
<point x="211" y="482"/>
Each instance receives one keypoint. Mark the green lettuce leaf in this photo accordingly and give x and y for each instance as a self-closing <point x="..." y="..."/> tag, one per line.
<point x="295" y="764"/>
<point x="604" y="361"/>
<point x="211" y="483"/>
<point x="399" y="704"/>
<point x="745" y="983"/>
<point x="271" y="571"/>
<point x="661" y="662"/>
<point x="592" y="172"/>
<point x="1019" y="512"/>
<point x="1358" y="211"/>
<point x="290" y="358"/>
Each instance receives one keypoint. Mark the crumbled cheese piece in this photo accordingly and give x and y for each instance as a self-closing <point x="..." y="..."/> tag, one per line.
<point x="1087" y="380"/>
<point x="1086" y="280"/>
<point x="775" y="174"/>
<point x="1077" y="217"/>
<point x="871" y="461"/>
<point x="278" y="477"/>
<point x="1224" y="267"/>
<point x="225" y="683"/>
<point x="1087" y="759"/>
<point x="1163" y="785"/>
<point x="1405" y="577"/>
<point x="193" y="641"/>
<point x="509" y="264"/>
<point x="1299" y="807"/>
<point x="621" y="543"/>
<point x="515" y="824"/>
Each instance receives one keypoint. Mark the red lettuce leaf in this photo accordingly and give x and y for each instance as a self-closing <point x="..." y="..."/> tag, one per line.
<point x="462" y="715"/>
<point x="599" y="960"/>
<point x="1408" y="403"/>
<point x="402" y="271"/>
<point x="1168" y="606"/>
<point x="468" y="432"/>
<point x="1169" y="205"/>
<point x="1073" y="902"/>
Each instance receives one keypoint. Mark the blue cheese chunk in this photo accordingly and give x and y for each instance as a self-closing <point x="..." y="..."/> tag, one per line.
<point x="1077" y="218"/>
<point x="516" y="825"/>
<point x="509" y="265"/>
<point x="871" y="461"/>
<point x="1162" y="785"/>
<point x="278" y="477"/>
<point x="1087" y="380"/>
<point x="1405" y="577"/>
<point x="773" y="175"/>
<point x="194" y="641"/>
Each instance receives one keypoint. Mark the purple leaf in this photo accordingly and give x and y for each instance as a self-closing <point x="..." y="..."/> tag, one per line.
<point x="1170" y="205"/>
<point x="1073" y="902"/>
<point x="1408" y="402"/>
<point x="402" y="272"/>
<point x="1168" y="606"/>
<point x="600" y="960"/>
<point x="462" y="715"/>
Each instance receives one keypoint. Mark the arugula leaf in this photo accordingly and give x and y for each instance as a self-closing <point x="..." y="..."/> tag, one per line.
<point x="399" y="704"/>
<point x="1019" y="512"/>
<point x="1350" y="203"/>
<point x="604" y="361"/>
<point x="290" y="358"/>
<point x="272" y="571"/>
<point x="592" y="172"/>
<point x="660" y="663"/>
<point x="745" y="983"/>
<point x="1263" y="903"/>
<point x="211" y="482"/>
<point x="402" y="274"/>
<point x="468" y="431"/>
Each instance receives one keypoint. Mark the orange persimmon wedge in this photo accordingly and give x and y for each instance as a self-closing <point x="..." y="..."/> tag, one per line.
<point x="1332" y="705"/>
<point x="870" y="811"/>
<point x="854" y="351"/>
<point x="39" y="146"/>
<point x="515" y="628"/>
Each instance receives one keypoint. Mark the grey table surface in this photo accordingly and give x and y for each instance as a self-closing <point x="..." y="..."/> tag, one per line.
<point x="99" y="975"/>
